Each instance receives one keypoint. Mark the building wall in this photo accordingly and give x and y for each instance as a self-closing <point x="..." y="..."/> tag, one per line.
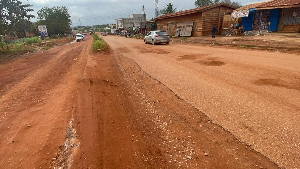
<point x="214" y="17"/>
<point x="138" y="20"/>
<point x="203" y="21"/>
<point x="127" y="23"/>
<point x="287" y="17"/>
<point x="170" y="24"/>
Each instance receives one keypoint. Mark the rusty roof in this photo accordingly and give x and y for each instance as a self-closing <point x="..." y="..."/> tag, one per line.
<point x="192" y="11"/>
<point x="280" y="4"/>
<point x="250" y="6"/>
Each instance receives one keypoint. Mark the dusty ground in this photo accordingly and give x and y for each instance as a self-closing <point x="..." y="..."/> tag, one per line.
<point x="144" y="106"/>
<point x="274" y="42"/>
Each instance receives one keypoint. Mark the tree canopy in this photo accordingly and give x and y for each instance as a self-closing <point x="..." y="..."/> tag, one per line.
<point x="15" y="16"/>
<point x="200" y="3"/>
<point x="168" y="9"/>
<point x="56" y="19"/>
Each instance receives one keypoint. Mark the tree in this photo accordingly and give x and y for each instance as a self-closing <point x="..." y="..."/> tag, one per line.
<point x="56" y="19"/>
<point x="15" y="16"/>
<point x="200" y="3"/>
<point x="168" y="9"/>
<point x="153" y="25"/>
<point x="236" y="4"/>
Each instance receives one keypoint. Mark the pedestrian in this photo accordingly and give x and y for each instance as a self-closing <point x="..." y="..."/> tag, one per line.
<point x="178" y="32"/>
<point x="213" y="31"/>
<point x="125" y="33"/>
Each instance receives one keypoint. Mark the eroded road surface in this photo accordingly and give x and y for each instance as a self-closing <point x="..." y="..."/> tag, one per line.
<point x="145" y="106"/>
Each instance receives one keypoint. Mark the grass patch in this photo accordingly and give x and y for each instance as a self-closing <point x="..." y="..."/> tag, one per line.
<point x="19" y="47"/>
<point x="99" y="44"/>
<point x="47" y="47"/>
<point x="96" y="37"/>
<point x="31" y="40"/>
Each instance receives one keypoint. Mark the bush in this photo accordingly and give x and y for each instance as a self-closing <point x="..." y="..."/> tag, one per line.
<point x="98" y="44"/>
<point x="17" y="47"/>
<point x="96" y="37"/>
<point x="55" y="37"/>
<point x="32" y="40"/>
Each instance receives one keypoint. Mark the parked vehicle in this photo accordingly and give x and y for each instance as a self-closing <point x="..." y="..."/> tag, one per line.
<point x="79" y="37"/>
<point x="156" y="37"/>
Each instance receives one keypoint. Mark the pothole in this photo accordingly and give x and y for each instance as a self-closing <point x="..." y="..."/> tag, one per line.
<point x="212" y="63"/>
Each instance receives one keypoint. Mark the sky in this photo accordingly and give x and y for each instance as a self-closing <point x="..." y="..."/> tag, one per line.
<point x="98" y="12"/>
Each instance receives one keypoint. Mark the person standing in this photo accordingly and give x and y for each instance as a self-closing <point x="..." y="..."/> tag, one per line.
<point x="213" y="31"/>
<point x="178" y="32"/>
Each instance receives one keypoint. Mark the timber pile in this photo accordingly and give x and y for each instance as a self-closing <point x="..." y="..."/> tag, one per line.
<point x="290" y="29"/>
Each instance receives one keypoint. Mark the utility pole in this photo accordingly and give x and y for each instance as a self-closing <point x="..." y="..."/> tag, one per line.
<point x="145" y="20"/>
<point x="156" y="8"/>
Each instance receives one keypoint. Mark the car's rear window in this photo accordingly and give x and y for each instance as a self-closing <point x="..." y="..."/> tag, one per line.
<point x="161" y="33"/>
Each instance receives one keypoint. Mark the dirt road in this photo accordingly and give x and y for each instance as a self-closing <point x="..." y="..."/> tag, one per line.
<point x="144" y="106"/>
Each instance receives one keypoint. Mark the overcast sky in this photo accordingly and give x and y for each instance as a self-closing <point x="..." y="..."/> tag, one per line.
<point x="93" y="12"/>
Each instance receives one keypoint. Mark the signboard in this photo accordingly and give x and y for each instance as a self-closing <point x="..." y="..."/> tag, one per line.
<point x="43" y="30"/>
<point x="186" y="28"/>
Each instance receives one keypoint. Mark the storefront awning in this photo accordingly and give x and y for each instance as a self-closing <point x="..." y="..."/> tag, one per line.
<point x="245" y="10"/>
<point x="240" y="14"/>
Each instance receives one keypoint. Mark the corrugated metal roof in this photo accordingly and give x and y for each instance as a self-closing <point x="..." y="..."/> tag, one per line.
<point x="280" y="4"/>
<point x="250" y="6"/>
<point x="192" y="11"/>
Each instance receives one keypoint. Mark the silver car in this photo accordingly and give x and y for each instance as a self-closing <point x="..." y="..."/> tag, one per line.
<point x="156" y="37"/>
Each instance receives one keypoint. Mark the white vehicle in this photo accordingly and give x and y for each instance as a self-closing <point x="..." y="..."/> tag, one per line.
<point x="156" y="37"/>
<point x="79" y="37"/>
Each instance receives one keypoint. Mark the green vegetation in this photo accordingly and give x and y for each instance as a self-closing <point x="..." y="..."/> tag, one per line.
<point x="99" y="44"/>
<point x="96" y="37"/>
<point x="31" y="40"/>
<point x="47" y="47"/>
<point x="168" y="9"/>
<point x="200" y="3"/>
<point x="57" y="19"/>
<point x="15" y="17"/>
<point x="102" y="28"/>
<point x="16" y="47"/>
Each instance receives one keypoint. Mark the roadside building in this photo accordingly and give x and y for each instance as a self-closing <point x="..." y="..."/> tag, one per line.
<point x="135" y="22"/>
<point x="113" y="28"/>
<point x="194" y="22"/>
<point x="124" y="23"/>
<point x="274" y="16"/>
<point x="138" y="21"/>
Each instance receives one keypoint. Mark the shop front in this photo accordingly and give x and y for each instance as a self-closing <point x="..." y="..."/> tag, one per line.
<point x="261" y="20"/>
<point x="271" y="16"/>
